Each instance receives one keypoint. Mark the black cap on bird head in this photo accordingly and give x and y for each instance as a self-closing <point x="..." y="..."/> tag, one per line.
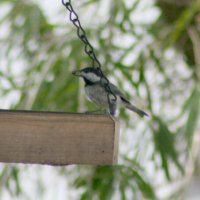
<point x="89" y="74"/>
<point x="87" y="70"/>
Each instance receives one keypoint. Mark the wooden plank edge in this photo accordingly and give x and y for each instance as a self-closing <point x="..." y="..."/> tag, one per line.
<point x="116" y="142"/>
<point x="115" y="135"/>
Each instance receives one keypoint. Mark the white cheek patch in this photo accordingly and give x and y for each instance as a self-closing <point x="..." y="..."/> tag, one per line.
<point x="91" y="76"/>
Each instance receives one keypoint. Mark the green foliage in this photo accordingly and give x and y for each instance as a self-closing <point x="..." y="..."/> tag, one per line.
<point x="183" y="22"/>
<point x="193" y="108"/>
<point x="165" y="142"/>
<point x="104" y="180"/>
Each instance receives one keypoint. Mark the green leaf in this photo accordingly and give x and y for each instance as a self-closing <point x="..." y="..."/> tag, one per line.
<point x="183" y="22"/>
<point x="165" y="142"/>
<point x="15" y="174"/>
<point x="193" y="114"/>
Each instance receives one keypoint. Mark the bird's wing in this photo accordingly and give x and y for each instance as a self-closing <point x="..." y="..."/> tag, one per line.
<point x="117" y="91"/>
<point x="127" y="104"/>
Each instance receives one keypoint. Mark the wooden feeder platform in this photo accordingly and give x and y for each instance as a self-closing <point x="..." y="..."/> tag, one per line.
<point x="57" y="138"/>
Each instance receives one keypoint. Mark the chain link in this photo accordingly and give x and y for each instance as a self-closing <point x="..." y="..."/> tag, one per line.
<point x="89" y="50"/>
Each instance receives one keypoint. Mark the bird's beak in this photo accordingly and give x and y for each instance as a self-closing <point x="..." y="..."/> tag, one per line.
<point x="77" y="73"/>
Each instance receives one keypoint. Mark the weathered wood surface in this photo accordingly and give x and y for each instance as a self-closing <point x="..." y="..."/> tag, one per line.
<point x="58" y="138"/>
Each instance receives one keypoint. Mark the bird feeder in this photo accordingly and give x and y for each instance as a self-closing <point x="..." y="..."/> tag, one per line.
<point x="57" y="138"/>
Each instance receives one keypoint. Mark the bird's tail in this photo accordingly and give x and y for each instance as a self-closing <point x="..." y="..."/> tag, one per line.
<point x="134" y="109"/>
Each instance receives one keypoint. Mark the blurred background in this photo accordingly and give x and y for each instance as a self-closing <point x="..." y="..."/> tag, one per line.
<point x="151" y="50"/>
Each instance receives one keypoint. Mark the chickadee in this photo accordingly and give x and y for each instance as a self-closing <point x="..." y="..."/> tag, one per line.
<point x="99" y="95"/>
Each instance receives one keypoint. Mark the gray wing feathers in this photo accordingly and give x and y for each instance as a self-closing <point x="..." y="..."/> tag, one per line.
<point x="117" y="91"/>
<point x="127" y="104"/>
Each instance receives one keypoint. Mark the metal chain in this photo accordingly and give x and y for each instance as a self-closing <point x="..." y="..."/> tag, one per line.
<point x="81" y="33"/>
<point x="89" y="50"/>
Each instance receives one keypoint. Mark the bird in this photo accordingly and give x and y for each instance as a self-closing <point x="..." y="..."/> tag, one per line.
<point x="98" y="94"/>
